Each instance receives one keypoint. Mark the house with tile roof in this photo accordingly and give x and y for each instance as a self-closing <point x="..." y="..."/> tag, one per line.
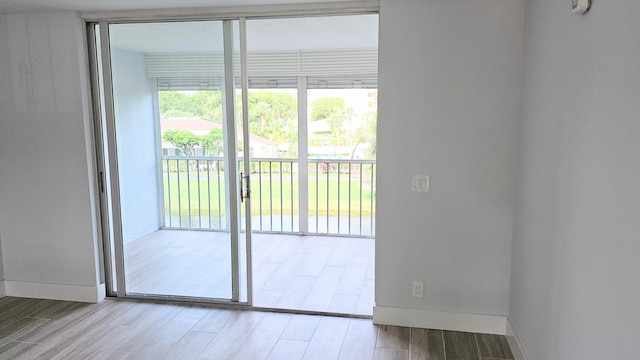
<point x="259" y="146"/>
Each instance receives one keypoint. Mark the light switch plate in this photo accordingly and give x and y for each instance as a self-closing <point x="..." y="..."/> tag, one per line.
<point x="418" y="289"/>
<point x="420" y="183"/>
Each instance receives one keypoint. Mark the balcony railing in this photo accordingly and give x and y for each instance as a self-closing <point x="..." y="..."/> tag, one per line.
<point x="338" y="199"/>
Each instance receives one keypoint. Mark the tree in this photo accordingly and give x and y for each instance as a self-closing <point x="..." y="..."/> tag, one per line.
<point x="175" y="104"/>
<point x="333" y="111"/>
<point x="260" y="111"/>
<point x="208" y="105"/>
<point x="273" y="114"/>
<point x="205" y="104"/>
<point x="373" y="147"/>
<point x="366" y="133"/>
<point x="372" y="118"/>
<point x="322" y="108"/>
<point x="213" y="142"/>
<point x="184" y="140"/>
<point x="335" y="121"/>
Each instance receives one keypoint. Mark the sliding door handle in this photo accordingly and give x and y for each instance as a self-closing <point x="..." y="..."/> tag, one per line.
<point x="245" y="187"/>
<point x="241" y="187"/>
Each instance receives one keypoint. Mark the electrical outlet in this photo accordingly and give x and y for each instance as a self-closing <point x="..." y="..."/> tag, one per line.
<point x="418" y="289"/>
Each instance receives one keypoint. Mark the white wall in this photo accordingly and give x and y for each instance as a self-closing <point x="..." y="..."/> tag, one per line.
<point x="47" y="217"/>
<point x="448" y="107"/>
<point x="1" y="261"/>
<point x="5" y="79"/>
<point x="2" y="289"/>
<point x="135" y="130"/>
<point x="575" y="265"/>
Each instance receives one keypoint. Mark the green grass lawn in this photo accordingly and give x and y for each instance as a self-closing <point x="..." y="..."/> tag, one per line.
<point x="275" y="196"/>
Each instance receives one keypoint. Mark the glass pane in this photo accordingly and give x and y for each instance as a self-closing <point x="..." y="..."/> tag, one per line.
<point x="321" y="181"/>
<point x="168" y="83"/>
<point x="273" y="123"/>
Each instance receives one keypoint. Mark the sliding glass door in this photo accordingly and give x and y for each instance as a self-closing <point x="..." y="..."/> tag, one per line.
<point x="182" y="121"/>
<point x="172" y="134"/>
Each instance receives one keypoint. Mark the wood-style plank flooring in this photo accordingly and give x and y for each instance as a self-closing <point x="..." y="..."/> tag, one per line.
<point x="117" y="329"/>
<point x="316" y="273"/>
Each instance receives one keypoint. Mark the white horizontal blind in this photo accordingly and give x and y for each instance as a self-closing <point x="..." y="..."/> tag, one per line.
<point x="189" y="83"/>
<point x="343" y="82"/>
<point x="325" y="69"/>
<point x="271" y="64"/>
<point x="325" y="63"/>
<point x="184" y="65"/>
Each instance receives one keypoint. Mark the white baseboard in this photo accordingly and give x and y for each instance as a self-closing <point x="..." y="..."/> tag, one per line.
<point x="514" y="342"/>
<point x="3" y="293"/>
<point x="92" y="294"/>
<point x="487" y="324"/>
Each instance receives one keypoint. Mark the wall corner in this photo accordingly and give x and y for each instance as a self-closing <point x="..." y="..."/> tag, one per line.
<point x="514" y="342"/>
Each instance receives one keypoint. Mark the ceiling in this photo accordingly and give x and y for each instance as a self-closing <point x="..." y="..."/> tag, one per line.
<point x="287" y="34"/>
<point x="14" y="6"/>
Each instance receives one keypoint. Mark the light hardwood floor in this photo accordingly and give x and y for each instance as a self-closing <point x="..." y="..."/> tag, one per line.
<point x="119" y="329"/>
<point x="316" y="273"/>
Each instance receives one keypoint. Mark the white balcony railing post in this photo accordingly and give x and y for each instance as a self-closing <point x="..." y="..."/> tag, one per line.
<point x="303" y="157"/>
